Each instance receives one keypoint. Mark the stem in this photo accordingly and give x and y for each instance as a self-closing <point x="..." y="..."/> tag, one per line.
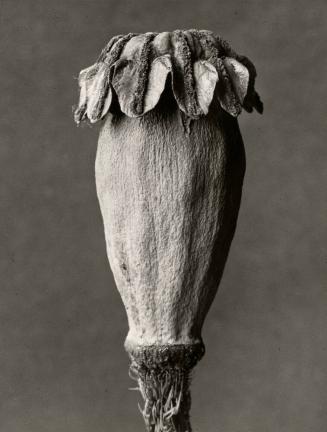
<point x="166" y="400"/>
<point x="163" y="377"/>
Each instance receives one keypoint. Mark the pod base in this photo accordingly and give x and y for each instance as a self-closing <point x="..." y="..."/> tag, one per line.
<point x="163" y="377"/>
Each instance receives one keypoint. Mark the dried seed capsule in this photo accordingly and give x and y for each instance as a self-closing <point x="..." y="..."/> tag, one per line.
<point x="169" y="173"/>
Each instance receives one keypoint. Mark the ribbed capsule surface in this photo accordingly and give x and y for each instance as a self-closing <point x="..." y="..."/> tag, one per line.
<point x="169" y="200"/>
<point x="169" y="173"/>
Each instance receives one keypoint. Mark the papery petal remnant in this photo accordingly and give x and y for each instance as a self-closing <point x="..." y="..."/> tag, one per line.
<point x="203" y="69"/>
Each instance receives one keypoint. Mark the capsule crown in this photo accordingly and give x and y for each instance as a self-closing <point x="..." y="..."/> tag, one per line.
<point x="135" y="67"/>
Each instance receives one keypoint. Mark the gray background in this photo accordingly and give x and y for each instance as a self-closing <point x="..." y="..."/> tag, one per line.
<point x="62" y="363"/>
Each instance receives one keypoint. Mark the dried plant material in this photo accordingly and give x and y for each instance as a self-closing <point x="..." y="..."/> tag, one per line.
<point x="99" y="95"/>
<point x="239" y="75"/>
<point x="136" y="67"/>
<point x="206" y="77"/>
<point x="169" y="174"/>
<point x="159" y="71"/>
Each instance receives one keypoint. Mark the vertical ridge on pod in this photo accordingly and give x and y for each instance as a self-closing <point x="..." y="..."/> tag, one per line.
<point x="185" y="55"/>
<point x="142" y="73"/>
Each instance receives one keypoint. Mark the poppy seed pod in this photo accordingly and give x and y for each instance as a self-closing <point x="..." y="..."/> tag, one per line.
<point x="169" y="173"/>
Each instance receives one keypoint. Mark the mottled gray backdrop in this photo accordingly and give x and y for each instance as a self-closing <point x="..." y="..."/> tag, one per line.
<point x="62" y="363"/>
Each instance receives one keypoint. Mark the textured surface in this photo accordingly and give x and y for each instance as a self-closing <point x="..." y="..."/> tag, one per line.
<point x="169" y="190"/>
<point x="169" y="200"/>
<point x="163" y="377"/>
<point x="136" y="66"/>
<point x="63" y="364"/>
